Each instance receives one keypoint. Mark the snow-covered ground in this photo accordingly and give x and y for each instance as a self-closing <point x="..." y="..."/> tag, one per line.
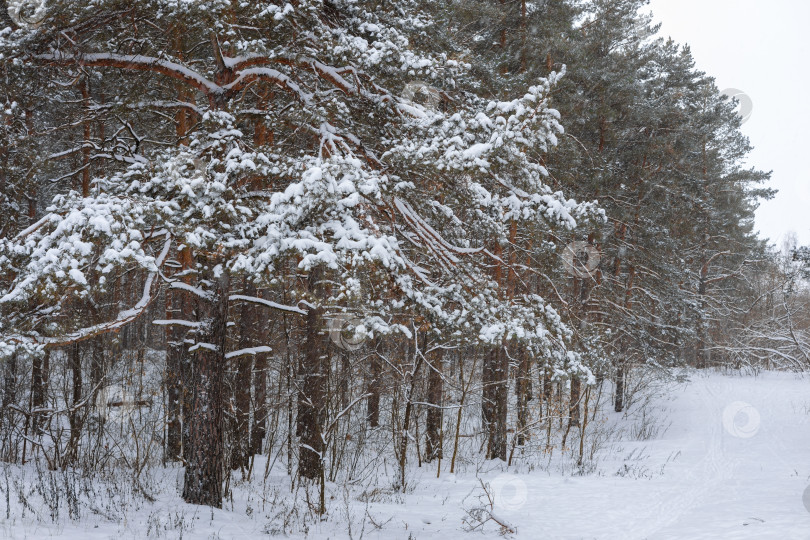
<point x="733" y="462"/>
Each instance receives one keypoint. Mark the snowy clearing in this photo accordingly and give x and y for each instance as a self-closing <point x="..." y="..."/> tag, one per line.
<point x="710" y="474"/>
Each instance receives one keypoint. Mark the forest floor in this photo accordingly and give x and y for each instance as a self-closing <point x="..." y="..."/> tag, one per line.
<point x="721" y="456"/>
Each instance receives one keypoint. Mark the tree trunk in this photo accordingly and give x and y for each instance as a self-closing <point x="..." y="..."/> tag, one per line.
<point x="702" y="326"/>
<point x="174" y="396"/>
<point x="206" y="455"/>
<point x="97" y="367"/>
<point x="186" y="312"/>
<point x="39" y="384"/>
<point x="260" y="392"/>
<point x="312" y="391"/>
<point x="406" y="420"/>
<point x="433" y="422"/>
<point x="522" y="391"/>
<point x="618" y="402"/>
<point x="494" y="404"/>
<point x="6" y="413"/>
<point x="175" y="382"/>
<point x="546" y="391"/>
<point x="373" y="413"/>
<point x="240" y="427"/>
<point x="177" y="360"/>
<point x="74" y="417"/>
<point x="9" y="381"/>
<point x="258" y="429"/>
<point x="345" y="375"/>
<point x="573" y="403"/>
<point x="582" y="292"/>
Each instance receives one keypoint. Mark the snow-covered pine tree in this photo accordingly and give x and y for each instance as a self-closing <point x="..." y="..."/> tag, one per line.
<point x="297" y="148"/>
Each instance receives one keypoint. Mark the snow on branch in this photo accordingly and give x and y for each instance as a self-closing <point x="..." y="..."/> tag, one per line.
<point x="249" y="351"/>
<point x="444" y="250"/>
<point x="124" y="317"/>
<point x="177" y="71"/>
<point x="176" y="322"/>
<point x="247" y="76"/>
<point x="267" y="303"/>
<point x="154" y="104"/>
<point x="330" y="73"/>
<point x="135" y="62"/>
<point x="207" y="346"/>
<point x="188" y="288"/>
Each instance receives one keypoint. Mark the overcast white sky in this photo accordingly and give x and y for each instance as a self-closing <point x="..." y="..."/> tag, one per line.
<point x="762" y="48"/>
